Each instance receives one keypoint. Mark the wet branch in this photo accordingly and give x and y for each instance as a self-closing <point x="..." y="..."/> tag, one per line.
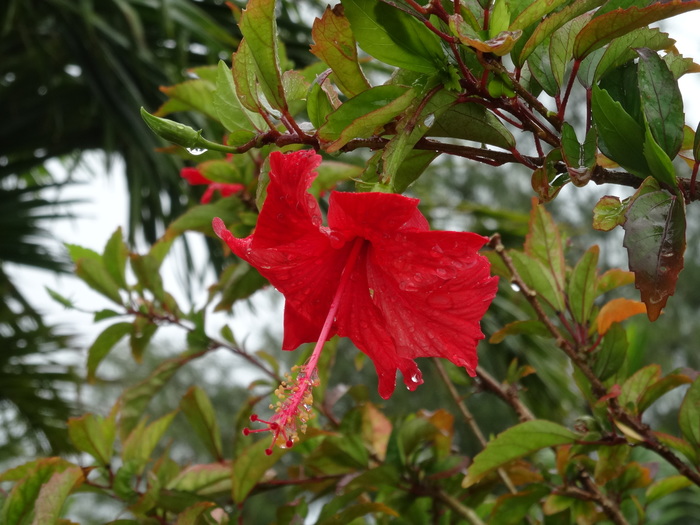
<point x="575" y="354"/>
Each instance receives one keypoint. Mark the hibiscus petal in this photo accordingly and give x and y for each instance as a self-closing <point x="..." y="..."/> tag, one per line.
<point x="193" y="176"/>
<point x="290" y="215"/>
<point x="374" y="215"/>
<point x="291" y="249"/>
<point x="432" y="288"/>
<point x="359" y="319"/>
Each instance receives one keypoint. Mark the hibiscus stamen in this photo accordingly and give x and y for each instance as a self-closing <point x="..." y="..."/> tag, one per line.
<point x="294" y="408"/>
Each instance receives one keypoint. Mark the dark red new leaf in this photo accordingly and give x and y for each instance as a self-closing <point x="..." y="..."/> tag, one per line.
<point x="655" y="242"/>
<point x="411" y="292"/>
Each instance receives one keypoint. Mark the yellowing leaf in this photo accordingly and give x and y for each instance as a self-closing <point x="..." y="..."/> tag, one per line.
<point x="618" y="310"/>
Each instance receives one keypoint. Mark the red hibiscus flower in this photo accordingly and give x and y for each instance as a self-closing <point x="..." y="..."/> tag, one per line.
<point x="195" y="177"/>
<point x="375" y="274"/>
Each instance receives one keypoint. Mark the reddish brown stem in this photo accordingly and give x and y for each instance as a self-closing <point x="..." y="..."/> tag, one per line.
<point x="569" y="86"/>
<point x="597" y="387"/>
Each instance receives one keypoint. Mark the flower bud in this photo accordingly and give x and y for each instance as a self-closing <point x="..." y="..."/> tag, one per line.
<point x="180" y="134"/>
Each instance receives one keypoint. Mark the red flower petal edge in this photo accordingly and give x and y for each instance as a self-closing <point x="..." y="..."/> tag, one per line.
<point x="375" y="274"/>
<point x="195" y="177"/>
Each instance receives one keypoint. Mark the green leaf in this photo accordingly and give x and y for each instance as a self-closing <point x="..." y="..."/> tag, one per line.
<point x="103" y="344"/>
<point x="662" y="103"/>
<point x="534" y="13"/>
<point x="412" y="125"/>
<point x="689" y="414"/>
<point x="622" y="49"/>
<point x="550" y="24"/>
<point x="679" y="445"/>
<point x="237" y="281"/>
<point x="195" y="514"/>
<point x="516" y="442"/>
<point x="561" y="46"/>
<point x="228" y="108"/>
<point x="250" y="466"/>
<point x="318" y="104"/>
<point x="114" y="258"/>
<point x="331" y="173"/>
<point x="512" y="509"/>
<point x="614" y="278"/>
<point x="540" y="279"/>
<point x="582" y="285"/>
<point x="244" y="78"/>
<point x="612" y="353"/>
<point x="529" y="327"/>
<point x="353" y="512"/>
<point x="205" y="479"/>
<point x="635" y="386"/>
<point x="473" y="122"/>
<point x="412" y="166"/>
<point x="499" y="43"/>
<point x="53" y="495"/>
<point x="96" y="276"/>
<point x="335" y="44"/>
<point x="94" y="434"/>
<point x="59" y="298"/>
<point x="655" y="242"/>
<point x="142" y="331"/>
<point x="539" y="65"/>
<point x="666" y="486"/>
<point x="661" y="387"/>
<point x="146" y="268"/>
<point x="393" y="36"/>
<point x="142" y="440"/>
<point x="199" y="218"/>
<point x="134" y="399"/>
<point x="197" y="407"/>
<point x="543" y="242"/>
<point x="20" y="506"/>
<point x="612" y="462"/>
<point x="259" y="29"/>
<point x="620" y="137"/>
<point x="364" y="115"/>
<point x="195" y="94"/>
<point x="659" y="163"/>
<point x="608" y="213"/>
<point x="604" y="28"/>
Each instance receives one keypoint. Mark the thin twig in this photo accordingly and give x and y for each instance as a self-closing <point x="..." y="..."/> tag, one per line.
<point x="576" y="356"/>
<point x="509" y="395"/>
<point x="470" y="420"/>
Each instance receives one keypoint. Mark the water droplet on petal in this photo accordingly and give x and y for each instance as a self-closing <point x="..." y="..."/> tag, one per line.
<point x="415" y="378"/>
<point x="445" y="272"/>
<point x="337" y="240"/>
<point x="436" y="251"/>
<point x="316" y="220"/>
<point x="418" y="277"/>
<point x="407" y="286"/>
<point x="439" y="300"/>
<point x="196" y="151"/>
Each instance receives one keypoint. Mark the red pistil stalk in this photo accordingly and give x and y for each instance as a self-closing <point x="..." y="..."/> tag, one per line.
<point x="295" y="396"/>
